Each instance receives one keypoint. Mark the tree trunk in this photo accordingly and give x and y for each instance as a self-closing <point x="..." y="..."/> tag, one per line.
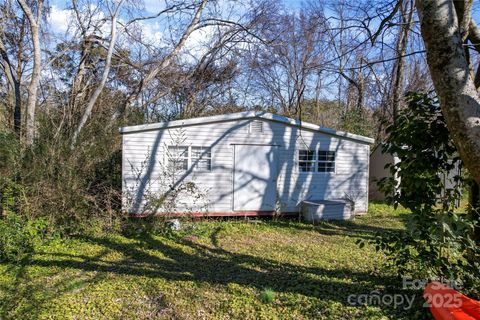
<point x="406" y="13"/>
<point x="76" y="92"/>
<point x="34" y="23"/>
<point x="359" y="85"/>
<point x="17" y="113"/>
<point x="108" y="62"/>
<point x="18" y="98"/>
<point x="451" y="77"/>
<point x="15" y="98"/>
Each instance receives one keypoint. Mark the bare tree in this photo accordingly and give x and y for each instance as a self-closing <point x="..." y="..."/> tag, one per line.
<point x="108" y="62"/>
<point x="284" y="70"/>
<point x="398" y="79"/>
<point x="34" y="19"/>
<point x="14" y="83"/>
<point x="355" y="88"/>
<point x="167" y="60"/>
<point x="87" y="24"/>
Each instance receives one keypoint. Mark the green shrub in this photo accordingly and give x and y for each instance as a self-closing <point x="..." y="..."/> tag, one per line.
<point x="267" y="295"/>
<point x="18" y="237"/>
<point x="9" y="153"/>
<point x="357" y="121"/>
<point x="437" y="242"/>
<point x="15" y="240"/>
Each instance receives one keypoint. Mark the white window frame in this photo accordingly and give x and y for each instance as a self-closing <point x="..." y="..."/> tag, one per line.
<point x="189" y="158"/>
<point x="169" y="155"/>
<point x="316" y="161"/>
<point x="202" y="157"/>
<point x="313" y="161"/>
<point x="326" y="161"/>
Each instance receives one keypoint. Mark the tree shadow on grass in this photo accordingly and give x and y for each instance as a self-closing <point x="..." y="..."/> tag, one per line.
<point x="343" y="228"/>
<point x="182" y="260"/>
<point x="189" y="260"/>
<point x="25" y="296"/>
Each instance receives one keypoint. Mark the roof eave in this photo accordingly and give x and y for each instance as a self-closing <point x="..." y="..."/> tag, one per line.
<point x="188" y="122"/>
<point x="245" y="115"/>
<point x="314" y="127"/>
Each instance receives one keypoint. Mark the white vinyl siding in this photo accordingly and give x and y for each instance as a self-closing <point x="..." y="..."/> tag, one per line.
<point x="351" y="160"/>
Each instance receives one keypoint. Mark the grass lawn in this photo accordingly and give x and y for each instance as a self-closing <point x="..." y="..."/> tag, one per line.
<point x="214" y="269"/>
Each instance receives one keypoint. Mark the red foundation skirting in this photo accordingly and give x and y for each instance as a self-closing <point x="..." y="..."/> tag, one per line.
<point x="215" y="214"/>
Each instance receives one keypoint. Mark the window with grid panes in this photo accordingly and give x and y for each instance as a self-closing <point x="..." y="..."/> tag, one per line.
<point x="201" y="158"/>
<point x="178" y="158"/>
<point x="306" y="160"/>
<point x="326" y="161"/>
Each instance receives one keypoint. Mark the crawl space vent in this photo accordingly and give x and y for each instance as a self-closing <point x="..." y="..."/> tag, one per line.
<point x="256" y="126"/>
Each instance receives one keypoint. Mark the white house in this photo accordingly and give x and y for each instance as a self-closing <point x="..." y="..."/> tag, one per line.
<point x="378" y="161"/>
<point x="248" y="163"/>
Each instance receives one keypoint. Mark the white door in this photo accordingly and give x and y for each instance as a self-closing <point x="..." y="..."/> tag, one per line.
<point x="255" y="175"/>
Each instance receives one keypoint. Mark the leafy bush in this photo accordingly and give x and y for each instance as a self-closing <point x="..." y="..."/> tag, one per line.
<point x="18" y="238"/>
<point x="267" y="295"/>
<point x="9" y="153"/>
<point x="10" y="192"/>
<point x="437" y="242"/>
<point x="420" y="139"/>
<point x="75" y="190"/>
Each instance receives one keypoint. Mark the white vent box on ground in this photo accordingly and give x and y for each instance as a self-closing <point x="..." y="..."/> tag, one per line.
<point x="314" y="210"/>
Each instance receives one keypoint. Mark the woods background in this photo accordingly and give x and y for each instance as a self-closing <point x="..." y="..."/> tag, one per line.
<point x="72" y="72"/>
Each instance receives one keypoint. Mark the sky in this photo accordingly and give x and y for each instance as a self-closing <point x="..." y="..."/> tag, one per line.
<point x="154" y="31"/>
<point x="59" y="13"/>
<point x="153" y="6"/>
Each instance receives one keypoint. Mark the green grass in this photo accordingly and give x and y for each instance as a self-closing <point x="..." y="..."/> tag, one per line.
<point x="267" y="295"/>
<point x="214" y="269"/>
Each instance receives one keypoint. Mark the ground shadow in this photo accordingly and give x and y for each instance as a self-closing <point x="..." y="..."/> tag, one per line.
<point x="215" y="265"/>
<point x="341" y="227"/>
<point x="24" y="296"/>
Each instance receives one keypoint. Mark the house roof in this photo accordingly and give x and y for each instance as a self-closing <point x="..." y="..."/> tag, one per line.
<point x="245" y="115"/>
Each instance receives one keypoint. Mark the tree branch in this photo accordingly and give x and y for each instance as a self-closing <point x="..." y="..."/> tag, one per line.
<point x="106" y="70"/>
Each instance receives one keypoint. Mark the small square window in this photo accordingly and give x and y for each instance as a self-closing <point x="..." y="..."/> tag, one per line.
<point x="201" y="159"/>
<point x="326" y="155"/>
<point x="326" y="167"/>
<point x="306" y="160"/>
<point x="326" y="161"/>
<point x="178" y="158"/>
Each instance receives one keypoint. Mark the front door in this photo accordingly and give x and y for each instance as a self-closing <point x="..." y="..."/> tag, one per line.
<point x="255" y="175"/>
